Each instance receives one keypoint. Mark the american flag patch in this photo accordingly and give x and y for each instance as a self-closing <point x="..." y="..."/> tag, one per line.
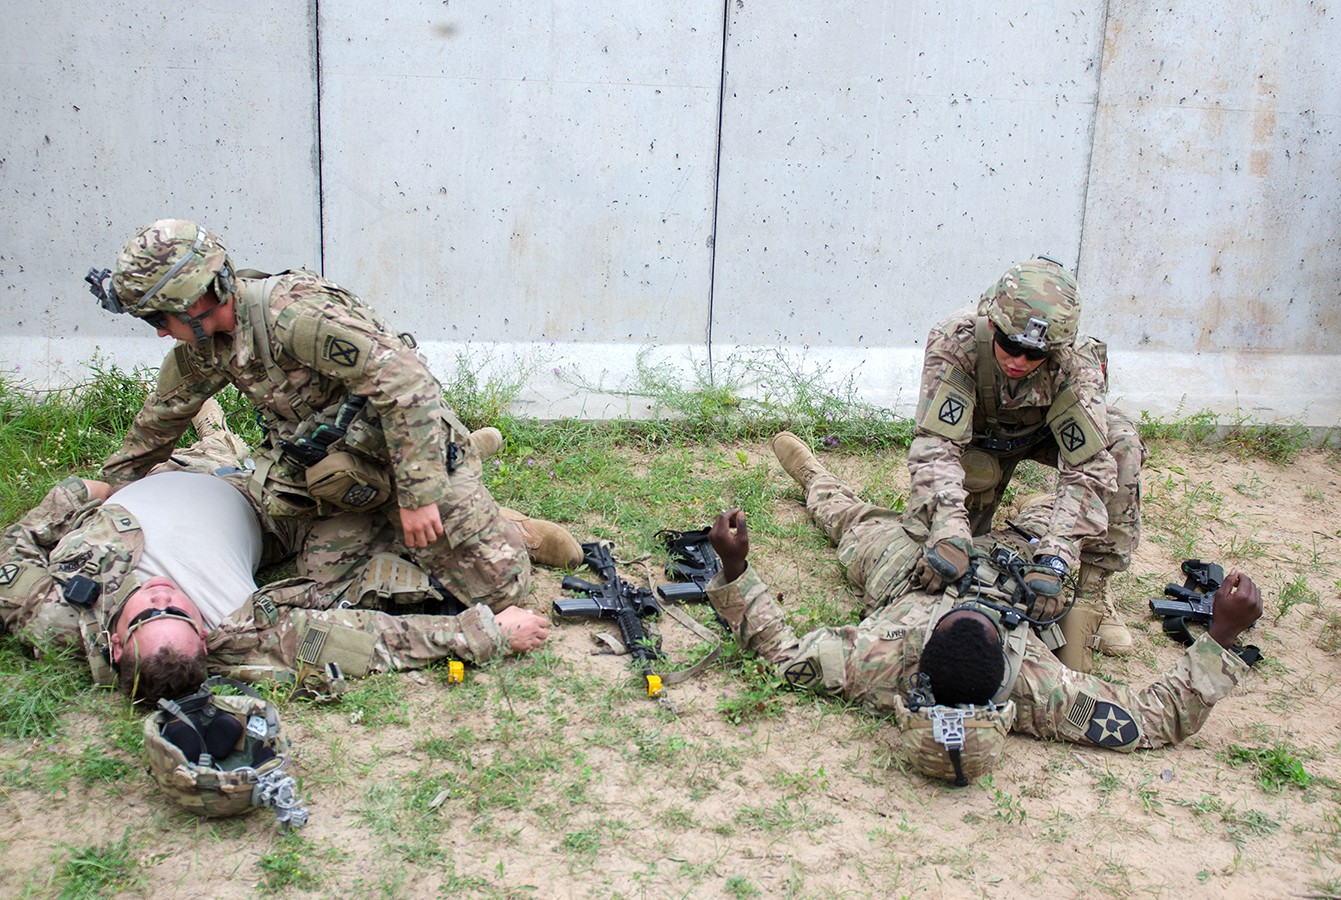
<point x="309" y="648"/>
<point x="1081" y="711"/>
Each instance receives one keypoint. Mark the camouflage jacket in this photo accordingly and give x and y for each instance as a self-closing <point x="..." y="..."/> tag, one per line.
<point x="872" y="663"/>
<point x="66" y="534"/>
<point x="325" y="344"/>
<point x="296" y="643"/>
<point x="952" y="415"/>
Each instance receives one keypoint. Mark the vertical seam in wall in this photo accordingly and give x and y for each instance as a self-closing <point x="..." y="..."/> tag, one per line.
<point x="717" y="184"/>
<point x="1094" y="128"/>
<point x="321" y="161"/>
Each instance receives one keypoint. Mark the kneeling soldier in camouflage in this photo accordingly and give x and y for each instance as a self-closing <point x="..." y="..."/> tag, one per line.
<point x="359" y="441"/>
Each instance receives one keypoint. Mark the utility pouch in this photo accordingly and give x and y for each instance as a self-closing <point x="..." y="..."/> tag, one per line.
<point x="280" y="487"/>
<point x="349" y="482"/>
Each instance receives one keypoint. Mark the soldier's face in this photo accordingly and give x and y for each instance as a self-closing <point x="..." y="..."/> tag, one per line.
<point x="218" y="317"/>
<point x="156" y="616"/>
<point x="1015" y="367"/>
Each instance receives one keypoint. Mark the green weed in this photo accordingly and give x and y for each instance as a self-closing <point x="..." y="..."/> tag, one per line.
<point x="294" y="863"/>
<point x="1278" y="766"/>
<point x="34" y="693"/>
<point x="98" y="871"/>
<point x="1293" y="594"/>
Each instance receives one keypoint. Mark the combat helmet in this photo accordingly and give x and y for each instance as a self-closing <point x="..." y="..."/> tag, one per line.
<point x="222" y="754"/>
<point x="953" y="743"/>
<point x="1035" y="304"/>
<point x="163" y="271"/>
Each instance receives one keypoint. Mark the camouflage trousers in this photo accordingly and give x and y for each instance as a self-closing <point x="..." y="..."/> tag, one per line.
<point x="480" y="558"/>
<point x="1112" y="548"/>
<point x="877" y="547"/>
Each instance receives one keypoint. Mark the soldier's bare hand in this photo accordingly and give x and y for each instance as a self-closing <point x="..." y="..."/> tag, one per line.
<point x="730" y="537"/>
<point x="422" y="526"/>
<point x="522" y="629"/>
<point x="1237" y="605"/>
<point x="97" y="490"/>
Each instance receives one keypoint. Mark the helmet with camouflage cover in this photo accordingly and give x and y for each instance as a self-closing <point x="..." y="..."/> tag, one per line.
<point x="247" y="773"/>
<point x="163" y="271"/>
<point x="1035" y="303"/>
<point x="954" y="744"/>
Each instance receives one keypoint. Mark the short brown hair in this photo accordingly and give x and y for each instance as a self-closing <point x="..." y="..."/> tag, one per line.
<point x="167" y="673"/>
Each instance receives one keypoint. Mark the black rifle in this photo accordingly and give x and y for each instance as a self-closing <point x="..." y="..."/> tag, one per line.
<point x="1192" y="602"/>
<point x="693" y="563"/>
<point x="615" y="599"/>
<point x="308" y="451"/>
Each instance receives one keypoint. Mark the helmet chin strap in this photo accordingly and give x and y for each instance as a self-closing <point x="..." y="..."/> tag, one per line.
<point x="193" y="322"/>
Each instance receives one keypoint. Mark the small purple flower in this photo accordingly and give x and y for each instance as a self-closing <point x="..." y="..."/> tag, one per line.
<point x="555" y="370"/>
<point x="831" y="441"/>
<point x="496" y="463"/>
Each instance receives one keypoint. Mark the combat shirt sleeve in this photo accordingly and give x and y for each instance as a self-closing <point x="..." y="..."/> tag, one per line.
<point x="361" y="641"/>
<point x="936" y="493"/>
<point x="371" y="362"/>
<point x="32" y="537"/>
<point x="756" y="620"/>
<point x="1055" y="702"/>
<point x="185" y="382"/>
<point x="1083" y="487"/>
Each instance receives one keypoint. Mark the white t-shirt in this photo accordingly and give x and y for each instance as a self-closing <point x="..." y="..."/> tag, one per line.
<point x="200" y="533"/>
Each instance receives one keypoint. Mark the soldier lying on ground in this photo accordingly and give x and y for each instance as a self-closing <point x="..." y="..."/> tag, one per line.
<point x="951" y="667"/>
<point x="1013" y="379"/>
<point x="359" y="441"/>
<point x="163" y="572"/>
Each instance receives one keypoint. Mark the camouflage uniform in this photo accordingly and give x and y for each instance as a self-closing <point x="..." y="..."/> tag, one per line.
<point x="1096" y="517"/>
<point x="873" y="661"/>
<point x="297" y="643"/>
<point x="70" y="534"/>
<point x="301" y="346"/>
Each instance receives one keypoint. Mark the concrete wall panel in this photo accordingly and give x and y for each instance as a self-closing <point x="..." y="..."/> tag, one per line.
<point x="116" y="114"/>
<point x="884" y="162"/>
<point x="1214" y="215"/>
<point x="541" y="175"/>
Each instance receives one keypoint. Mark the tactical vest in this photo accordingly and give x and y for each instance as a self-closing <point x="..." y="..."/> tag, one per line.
<point x="1012" y="431"/>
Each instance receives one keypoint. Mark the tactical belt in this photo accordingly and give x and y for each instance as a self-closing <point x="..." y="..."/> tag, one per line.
<point x="1010" y="445"/>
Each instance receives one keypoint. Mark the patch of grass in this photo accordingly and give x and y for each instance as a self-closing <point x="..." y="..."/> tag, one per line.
<point x="295" y="862"/>
<point x="98" y="871"/>
<point x="783" y="815"/>
<point x="1329" y="637"/>
<point x="1278" y="766"/>
<point x="752" y="396"/>
<point x="1293" y="594"/>
<point x="757" y="697"/>
<point x="35" y="692"/>
<point x="376" y="701"/>
<point x="740" y="887"/>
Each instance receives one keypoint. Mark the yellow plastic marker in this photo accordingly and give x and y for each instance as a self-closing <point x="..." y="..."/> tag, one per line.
<point x="456" y="672"/>
<point x="654" y="685"/>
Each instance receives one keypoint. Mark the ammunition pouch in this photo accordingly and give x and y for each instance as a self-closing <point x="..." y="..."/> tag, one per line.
<point x="348" y="482"/>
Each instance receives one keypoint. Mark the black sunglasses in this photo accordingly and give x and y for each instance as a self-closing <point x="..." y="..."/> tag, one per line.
<point x="172" y="612"/>
<point x="1012" y="347"/>
<point x="156" y="319"/>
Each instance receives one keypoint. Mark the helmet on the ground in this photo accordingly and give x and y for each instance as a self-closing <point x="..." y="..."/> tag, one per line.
<point x="168" y="266"/>
<point x="222" y="754"/>
<point x="955" y="744"/>
<point x="1035" y="304"/>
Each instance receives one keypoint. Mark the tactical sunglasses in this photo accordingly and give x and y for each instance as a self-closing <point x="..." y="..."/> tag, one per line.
<point x="171" y="612"/>
<point x="1012" y="347"/>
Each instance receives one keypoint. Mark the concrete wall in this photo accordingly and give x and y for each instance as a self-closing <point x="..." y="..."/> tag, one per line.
<point x="566" y="188"/>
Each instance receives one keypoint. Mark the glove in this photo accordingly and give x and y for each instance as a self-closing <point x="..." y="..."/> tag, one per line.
<point x="943" y="563"/>
<point x="1044" y="578"/>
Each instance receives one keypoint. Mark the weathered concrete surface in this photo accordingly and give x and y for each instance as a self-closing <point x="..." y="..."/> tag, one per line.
<point x="550" y="187"/>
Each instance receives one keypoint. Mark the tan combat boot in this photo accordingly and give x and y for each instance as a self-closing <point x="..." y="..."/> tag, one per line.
<point x="549" y="544"/>
<point x="796" y="458"/>
<point x="486" y="441"/>
<point x="1111" y="638"/>
<point x="210" y="420"/>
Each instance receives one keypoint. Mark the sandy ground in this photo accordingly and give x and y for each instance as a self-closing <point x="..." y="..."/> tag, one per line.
<point x="554" y="779"/>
